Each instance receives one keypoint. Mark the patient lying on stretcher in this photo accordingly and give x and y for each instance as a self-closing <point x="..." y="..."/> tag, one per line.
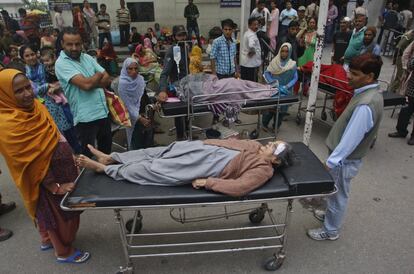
<point x="232" y="167"/>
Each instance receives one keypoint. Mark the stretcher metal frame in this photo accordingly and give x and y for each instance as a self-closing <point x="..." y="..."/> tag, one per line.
<point x="192" y="105"/>
<point x="277" y="241"/>
<point x="271" y="235"/>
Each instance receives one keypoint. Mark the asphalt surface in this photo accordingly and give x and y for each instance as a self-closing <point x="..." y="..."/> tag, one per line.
<point x="377" y="235"/>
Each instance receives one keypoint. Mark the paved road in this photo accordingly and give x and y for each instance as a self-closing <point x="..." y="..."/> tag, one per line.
<point x="377" y="236"/>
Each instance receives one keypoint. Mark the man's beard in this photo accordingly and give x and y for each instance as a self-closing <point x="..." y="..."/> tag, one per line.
<point x="73" y="54"/>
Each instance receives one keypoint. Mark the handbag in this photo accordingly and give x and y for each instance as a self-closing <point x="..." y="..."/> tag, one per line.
<point x="118" y="112"/>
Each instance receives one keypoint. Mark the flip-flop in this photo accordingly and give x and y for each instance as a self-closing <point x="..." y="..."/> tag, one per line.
<point x="77" y="258"/>
<point x="44" y="247"/>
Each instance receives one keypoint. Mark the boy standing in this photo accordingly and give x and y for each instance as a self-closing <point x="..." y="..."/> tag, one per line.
<point x="223" y="53"/>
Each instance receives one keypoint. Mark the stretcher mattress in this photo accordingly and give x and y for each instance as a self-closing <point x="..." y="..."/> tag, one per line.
<point x="393" y="99"/>
<point x="180" y="108"/>
<point x="308" y="176"/>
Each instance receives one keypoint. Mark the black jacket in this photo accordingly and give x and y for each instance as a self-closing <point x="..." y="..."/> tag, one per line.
<point x="170" y="74"/>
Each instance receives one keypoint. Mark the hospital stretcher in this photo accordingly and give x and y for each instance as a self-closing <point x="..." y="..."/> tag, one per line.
<point x="306" y="178"/>
<point x="391" y="100"/>
<point x="190" y="109"/>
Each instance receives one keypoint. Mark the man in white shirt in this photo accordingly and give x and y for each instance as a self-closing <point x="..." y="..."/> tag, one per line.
<point x="312" y="10"/>
<point x="60" y="23"/>
<point x="250" y="59"/>
<point x="263" y="16"/>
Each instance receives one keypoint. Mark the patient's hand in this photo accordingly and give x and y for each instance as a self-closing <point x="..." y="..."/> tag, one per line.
<point x="199" y="183"/>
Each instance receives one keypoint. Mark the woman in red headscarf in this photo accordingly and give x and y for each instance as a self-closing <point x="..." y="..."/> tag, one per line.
<point x="41" y="164"/>
<point x="107" y="58"/>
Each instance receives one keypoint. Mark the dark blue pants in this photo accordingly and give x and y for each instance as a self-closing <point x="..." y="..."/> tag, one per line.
<point x="102" y="37"/>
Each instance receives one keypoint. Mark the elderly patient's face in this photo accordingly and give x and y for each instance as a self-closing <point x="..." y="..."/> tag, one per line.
<point x="23" y="92"/>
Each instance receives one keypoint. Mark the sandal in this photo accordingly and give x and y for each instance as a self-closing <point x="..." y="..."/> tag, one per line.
<point x="44" y="247"/>
<point x="77" y="258"/>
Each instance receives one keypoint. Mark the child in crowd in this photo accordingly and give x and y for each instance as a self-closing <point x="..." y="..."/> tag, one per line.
<point x="48" y="57"/>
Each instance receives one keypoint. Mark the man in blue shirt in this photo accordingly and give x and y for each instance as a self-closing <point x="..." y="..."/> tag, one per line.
<point x="350" y="139"/>
<point x="223" y="53"/>
<point x="82" y="80"/>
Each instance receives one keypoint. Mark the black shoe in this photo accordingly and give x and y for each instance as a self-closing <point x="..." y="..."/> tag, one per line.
<point x="396" y="135"/>
<point x="6" y="208"/>
<point x="411" y="141"/>
<point x="5" y="234"/>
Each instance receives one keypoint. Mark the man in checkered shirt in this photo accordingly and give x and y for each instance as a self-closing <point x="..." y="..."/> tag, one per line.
<point x="223" y="53"/>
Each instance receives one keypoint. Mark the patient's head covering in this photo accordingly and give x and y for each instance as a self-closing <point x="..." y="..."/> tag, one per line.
<point x="284" y="153"/>
<point x="278" y="66"/>
<point x="28" y="138"/>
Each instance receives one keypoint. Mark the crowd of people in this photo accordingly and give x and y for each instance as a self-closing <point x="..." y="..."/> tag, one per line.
<point x="53" y="91"/>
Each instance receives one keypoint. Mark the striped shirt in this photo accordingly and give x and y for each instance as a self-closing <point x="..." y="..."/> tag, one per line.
<point x="103" y="20"/>
<point x="123" y="17"/>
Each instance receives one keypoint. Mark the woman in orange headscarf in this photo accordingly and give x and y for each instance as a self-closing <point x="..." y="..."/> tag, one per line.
<point x="40" y="162"/>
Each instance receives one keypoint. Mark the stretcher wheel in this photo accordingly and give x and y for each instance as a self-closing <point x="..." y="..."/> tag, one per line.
<point x="324" y="116"/>
<point x="138" y="226"/>
<point x="256" y="216"/>
<point x="274" y="263"/>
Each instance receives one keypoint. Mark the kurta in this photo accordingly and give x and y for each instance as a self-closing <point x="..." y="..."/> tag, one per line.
<point x="232" y="167"/>
<point x="177" y="164"/>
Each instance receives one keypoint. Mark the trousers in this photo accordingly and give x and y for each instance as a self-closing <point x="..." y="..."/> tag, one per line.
<point x="404" y="117"/>
<point x="99" y="130"/>
<point x="338" y="203"/>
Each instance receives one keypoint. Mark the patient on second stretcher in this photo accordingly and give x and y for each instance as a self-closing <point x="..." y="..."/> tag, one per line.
<point x="232" y="167"/>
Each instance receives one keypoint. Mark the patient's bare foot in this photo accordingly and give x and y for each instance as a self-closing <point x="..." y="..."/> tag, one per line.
<point x="100" y="156"/>
<point x="84" y="161"/>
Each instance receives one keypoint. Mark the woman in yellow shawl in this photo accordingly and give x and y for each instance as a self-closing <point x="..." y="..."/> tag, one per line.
<point x="196" y="65"/>
<point x="41" y="164"/>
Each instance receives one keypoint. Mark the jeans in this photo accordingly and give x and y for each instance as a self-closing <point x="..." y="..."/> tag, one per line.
<point x="102" y="37"/>
<point x="404" y="117"/>
<point x="124" y="34"/>
<point x="99" y="130"/>
<point x="191" y="29"/>
<point x="329" y="33"/>
<point x="338" y="203"/>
